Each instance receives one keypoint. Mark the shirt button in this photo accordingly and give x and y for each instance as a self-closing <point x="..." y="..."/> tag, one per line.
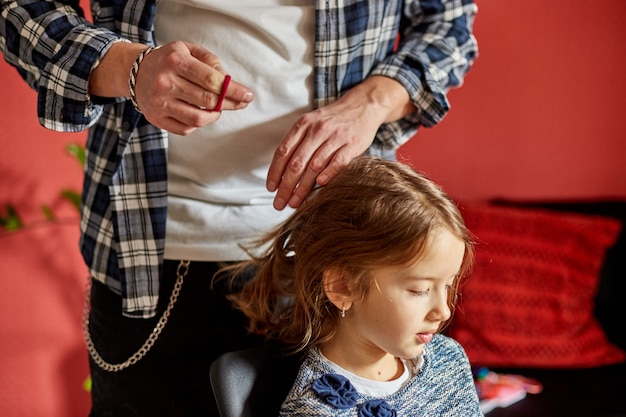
<point x="125" y="126"/>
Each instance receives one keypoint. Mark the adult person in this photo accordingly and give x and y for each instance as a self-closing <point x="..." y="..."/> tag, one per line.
<point x="310" y="86"/>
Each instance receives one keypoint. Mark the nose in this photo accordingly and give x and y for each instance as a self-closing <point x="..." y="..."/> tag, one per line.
<point x="440" y="311"/>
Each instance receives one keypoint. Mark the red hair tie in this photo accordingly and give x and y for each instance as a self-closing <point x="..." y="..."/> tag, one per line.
<point x="218" y="106"/>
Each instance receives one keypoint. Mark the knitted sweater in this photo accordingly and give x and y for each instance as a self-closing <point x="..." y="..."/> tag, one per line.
<point x="443" y="387"/>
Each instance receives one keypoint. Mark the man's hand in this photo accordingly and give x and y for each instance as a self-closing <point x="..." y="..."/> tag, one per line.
<point x="176" y="86"/>
<point x="325" y="140"/>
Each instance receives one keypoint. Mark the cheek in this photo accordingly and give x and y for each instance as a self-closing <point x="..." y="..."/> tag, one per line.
<point x="390" y="316"/>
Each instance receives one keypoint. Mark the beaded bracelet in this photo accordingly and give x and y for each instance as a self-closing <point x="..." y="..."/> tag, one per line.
<point x="132" y="79"/>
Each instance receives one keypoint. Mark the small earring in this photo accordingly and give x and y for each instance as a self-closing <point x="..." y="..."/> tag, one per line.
<point x="343" y="311"/>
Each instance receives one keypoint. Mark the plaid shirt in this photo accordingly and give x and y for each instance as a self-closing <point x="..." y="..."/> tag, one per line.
<point x="124" y="205"/>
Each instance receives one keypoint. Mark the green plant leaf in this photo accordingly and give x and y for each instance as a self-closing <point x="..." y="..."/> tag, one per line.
<point x="12" y="220"/>
<point x="77" y="151"/>
<point x="73" y="197"/>
<point x="47" y="212"/>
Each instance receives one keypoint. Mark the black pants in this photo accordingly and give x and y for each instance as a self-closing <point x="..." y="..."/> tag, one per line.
<point x="173" y="378"/>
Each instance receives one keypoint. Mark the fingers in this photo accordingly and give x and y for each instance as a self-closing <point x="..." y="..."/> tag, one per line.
<point x="178" y="90"/>
<point x="208" y="86"/>
<point x="297" y="179"/>
<point x="188" y="92"/>
<point x="294" y="189"/>
<point x="207" y="72"/>
<point x="319" y="145"/>
<point x="180" y="128"/>
<point x="303" y="160"/>
<point x="167" y="107"/>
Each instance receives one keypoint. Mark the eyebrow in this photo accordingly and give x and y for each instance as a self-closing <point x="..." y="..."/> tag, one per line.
<point x="421" y="278"/>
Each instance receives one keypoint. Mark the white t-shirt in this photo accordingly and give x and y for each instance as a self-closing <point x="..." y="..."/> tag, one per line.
<point x="217" y="196"/>
<point x="378" y="388"/>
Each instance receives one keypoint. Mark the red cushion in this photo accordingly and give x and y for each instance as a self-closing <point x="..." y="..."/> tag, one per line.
<point x="529" y="300"/>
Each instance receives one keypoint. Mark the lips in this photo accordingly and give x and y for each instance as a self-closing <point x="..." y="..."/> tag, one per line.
<point x="425" y="337"/>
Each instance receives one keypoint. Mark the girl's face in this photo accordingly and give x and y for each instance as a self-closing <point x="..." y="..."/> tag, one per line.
<point x="406" y="305"/>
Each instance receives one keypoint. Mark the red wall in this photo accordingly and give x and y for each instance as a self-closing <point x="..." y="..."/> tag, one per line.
<point x="541" y="112"/>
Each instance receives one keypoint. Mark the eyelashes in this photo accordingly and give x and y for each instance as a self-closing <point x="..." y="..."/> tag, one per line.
<point x="422" y="293"/>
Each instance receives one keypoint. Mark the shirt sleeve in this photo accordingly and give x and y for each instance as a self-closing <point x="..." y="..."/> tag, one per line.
<point x="466" y="397"/>
<point x="435" y="50"/>
<point x="54" y="48"/>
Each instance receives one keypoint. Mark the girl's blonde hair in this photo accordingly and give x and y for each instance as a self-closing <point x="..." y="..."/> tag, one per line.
<point x="374" y="213"/>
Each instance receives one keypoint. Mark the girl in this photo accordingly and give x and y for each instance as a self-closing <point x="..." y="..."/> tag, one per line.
<point x="362" y="277"/>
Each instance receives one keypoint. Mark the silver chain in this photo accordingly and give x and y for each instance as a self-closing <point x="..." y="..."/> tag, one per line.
<point x="181" y="272"/>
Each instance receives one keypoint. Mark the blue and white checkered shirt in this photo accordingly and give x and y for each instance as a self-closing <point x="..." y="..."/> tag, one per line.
<point x="124" y="206"/>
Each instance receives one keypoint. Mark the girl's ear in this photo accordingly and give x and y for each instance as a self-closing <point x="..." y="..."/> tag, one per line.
<point x="337" y="289"/>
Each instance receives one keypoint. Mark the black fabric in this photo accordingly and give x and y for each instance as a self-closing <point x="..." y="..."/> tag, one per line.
<point x="75" y="4"/>
<point x="610" y="298"/>
<point x="593" y="392"/>
<point x="173" y="378"/>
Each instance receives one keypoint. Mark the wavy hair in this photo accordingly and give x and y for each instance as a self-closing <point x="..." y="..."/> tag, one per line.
<point x="374" y="213"/>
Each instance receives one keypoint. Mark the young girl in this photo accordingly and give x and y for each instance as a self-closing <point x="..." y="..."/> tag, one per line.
<point x="361" y="278"/>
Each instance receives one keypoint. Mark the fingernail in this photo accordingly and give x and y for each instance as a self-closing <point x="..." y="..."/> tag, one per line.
<point x="294" y="202"/>
<point x="279" y="203"/>
<point x="248" y="97"/>
<point x="271" y="186"/>
<point x="322" y="179"/>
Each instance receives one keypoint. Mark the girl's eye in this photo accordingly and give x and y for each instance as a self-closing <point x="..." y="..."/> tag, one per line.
<point x="420" y="293"/>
